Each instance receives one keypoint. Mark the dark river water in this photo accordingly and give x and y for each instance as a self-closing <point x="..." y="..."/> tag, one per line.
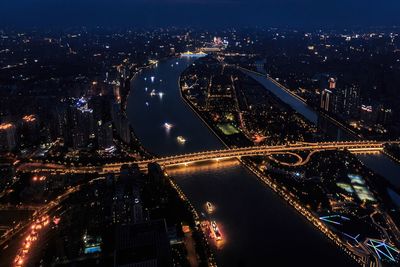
<point x="259" y="228"/>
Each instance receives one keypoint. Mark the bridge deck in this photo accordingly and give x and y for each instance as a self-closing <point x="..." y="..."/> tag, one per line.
<point x="352" y="146"/>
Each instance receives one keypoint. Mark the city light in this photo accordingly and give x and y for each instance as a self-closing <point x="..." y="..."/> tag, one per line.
<point x="29" y="118"/>
<point x="331" y="219"/>
<point x="168" y="126"/>
<point x="30" y="239"/>
<point x="80" y="108"/>
<point x="383" y="250"/>
<point x="6" y="126"/>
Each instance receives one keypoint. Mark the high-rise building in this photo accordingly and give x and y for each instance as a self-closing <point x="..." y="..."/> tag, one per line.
<point x="121" y="123"/>
<point x="137" y="209"/>
<point x="8" y="140"/>
<point x="127" y="204"/>
<point x="78" y="139"/>
<point x="79" y="124"/>
<point x="124" y="131"/>
<point x="156" y="173"/>
<point x="350" y="101"/>
<point x="104" y="134"/>
<point x="122" y="205"/>
<point x="326" y="100"/>
<point x="29" y="130"/>
<point x="368" y="114"/>
<point x="384" y="115"/>
<point x="149" y="238"/>
<point x="58" y="122"/>
<point x="328" y="85"/>
<point x="101" y="108"/>
<point x="332" y="83"/>
<point x="342" y="101"/>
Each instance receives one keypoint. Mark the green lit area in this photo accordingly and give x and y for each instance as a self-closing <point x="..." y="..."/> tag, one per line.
<point x="360" y="188"/>
<point x="230" y="117"/>
<point x="348" y="188"/>
<point x="227" y="129"/>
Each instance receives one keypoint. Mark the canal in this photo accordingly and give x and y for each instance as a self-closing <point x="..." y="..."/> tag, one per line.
<point x="259" y="228"/>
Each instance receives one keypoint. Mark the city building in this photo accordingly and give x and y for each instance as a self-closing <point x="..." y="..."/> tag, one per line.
<point x="79" y="125"/>
<point x="342" y="101"/>
<point x="104" y="134"/>
<point x="144" y="244"/>
<point x="8" y="140"/>
<point x="156" y="173"/>
<point x="121" y="123"/>
<point x="326" y="100"/>
<point x="29" y="130"/>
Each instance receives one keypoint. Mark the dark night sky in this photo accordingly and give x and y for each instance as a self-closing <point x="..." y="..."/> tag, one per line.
<point x="281" y="13"/>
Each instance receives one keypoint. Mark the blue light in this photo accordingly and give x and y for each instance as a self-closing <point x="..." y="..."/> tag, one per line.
<point x="92" y="250"/>
<point x="382" y="249"/>
<point x="330" y="218"/>
<point x="353" y="237"/>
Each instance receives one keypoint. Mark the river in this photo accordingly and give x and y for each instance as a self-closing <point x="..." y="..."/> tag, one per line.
<point x="259" y="228"/>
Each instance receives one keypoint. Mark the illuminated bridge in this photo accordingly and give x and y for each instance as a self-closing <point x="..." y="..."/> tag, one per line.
<point x="185" y="159"/>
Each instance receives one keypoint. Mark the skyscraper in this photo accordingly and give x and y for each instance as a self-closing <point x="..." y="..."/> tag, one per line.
<point x="121" y="123"/>
<point x="328" y="88"/>
<point x="29" y="130"/>
<point x="326" y="100"/>
<point x="104" y="134"/>
<point x="7" y="137"/>
<point x="341" y="100"/>
<point x="80" y="123"/>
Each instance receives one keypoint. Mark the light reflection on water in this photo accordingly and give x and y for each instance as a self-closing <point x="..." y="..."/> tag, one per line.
<point x="202" y="167"/>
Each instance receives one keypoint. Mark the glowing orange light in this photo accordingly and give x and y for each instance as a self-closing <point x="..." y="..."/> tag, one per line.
<point x="5" y="126"/>
<point x="29" y="118"/>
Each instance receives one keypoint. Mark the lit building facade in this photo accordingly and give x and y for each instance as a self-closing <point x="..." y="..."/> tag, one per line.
<point x="8" y="140"/>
